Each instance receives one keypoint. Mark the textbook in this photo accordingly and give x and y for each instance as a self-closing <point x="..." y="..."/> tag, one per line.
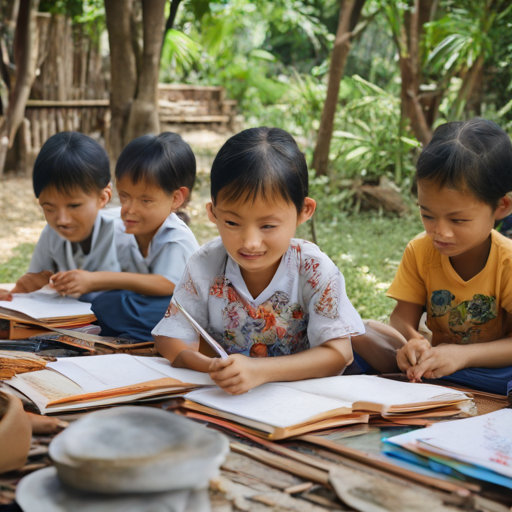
<point x="37" y="312"/>
<point x="283" y="409"/>
<point x="77" y="383"/>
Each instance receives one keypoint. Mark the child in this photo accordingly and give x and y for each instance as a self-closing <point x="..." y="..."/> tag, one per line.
<point x="154" y="176"/>
<point x="460" y="269"/>
<point x="257" y="290"/>
<point x="71" y="179"/>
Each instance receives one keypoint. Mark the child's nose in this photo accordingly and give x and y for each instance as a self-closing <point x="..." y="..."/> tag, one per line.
<point x="442" y="228"/>
<point x="252" y="239"/>
<point x="63" y="216"/>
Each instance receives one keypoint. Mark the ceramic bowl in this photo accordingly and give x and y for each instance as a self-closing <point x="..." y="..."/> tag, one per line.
<point x="137" y="449"/>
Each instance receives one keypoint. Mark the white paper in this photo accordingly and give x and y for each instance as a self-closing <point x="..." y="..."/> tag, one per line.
<point x="99" y="373"/>
<point x="484" y="440"/>
<point x="278" y="406"/>
<point x="367" y="388"/>
<point x="43" y="304"/>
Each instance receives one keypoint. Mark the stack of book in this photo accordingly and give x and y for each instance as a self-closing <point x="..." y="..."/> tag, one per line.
<point x="479" y="447"/>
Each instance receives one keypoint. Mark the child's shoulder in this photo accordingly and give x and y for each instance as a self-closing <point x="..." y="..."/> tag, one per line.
<point x="305" y="253"/>
<point x="209" y="258"/>
<point x="503" y="244"/>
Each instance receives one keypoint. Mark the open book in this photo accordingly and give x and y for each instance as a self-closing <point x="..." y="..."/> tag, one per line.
<point x="32" y="313"/>
<point x="95" y="381"/>
<point x="283" y="409"/>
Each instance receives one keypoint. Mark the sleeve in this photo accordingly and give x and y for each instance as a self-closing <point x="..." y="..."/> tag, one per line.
<point x="42" y="258"/>
<point x="331" y="314"/>
<point x="189" y="295"/>
<point x="506" y="285"/>
<point x="408" y="284"/>
<point x="171" y="261"/>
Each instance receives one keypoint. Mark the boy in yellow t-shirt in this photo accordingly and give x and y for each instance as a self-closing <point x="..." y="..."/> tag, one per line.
<point x="459" y="271"/>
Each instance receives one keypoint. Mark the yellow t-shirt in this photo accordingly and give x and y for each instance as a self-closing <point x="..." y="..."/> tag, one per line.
<point x="458" y="311"/>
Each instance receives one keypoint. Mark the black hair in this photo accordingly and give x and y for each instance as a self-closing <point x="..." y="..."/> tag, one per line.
<point x="473" y="156"/>
<point x="70" y="161"/>
<point x="164" y="160"/>
<point x="262" y="162"/>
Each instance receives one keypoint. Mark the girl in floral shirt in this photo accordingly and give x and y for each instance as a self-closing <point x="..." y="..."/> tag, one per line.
<point x="257" y="290"/>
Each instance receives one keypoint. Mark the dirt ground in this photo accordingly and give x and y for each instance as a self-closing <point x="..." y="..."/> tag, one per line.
<point x="21" y="218"/>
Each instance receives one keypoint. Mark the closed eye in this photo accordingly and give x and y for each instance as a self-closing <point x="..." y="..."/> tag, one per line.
<point x="75" y="205"/>
<point x="268" y="226"/>
<point x="231" y="223"/>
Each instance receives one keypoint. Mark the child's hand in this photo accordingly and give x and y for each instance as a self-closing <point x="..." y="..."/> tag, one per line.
<point x="73" y="282"/>
<point x="438" y="362"/>
<point x="237" y="374"/>
<point x="32" y="281"/>
<point x="5" y="295"/>
<point x="411" y="353"/>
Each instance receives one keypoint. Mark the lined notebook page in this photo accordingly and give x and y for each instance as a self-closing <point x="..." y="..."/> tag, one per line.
<point x="368" y="388"/>
<point x="278" y="406"/>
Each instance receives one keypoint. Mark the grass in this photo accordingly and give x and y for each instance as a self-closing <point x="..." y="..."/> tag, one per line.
<point x="367" y="248"/>
<point x="18" y="264"/>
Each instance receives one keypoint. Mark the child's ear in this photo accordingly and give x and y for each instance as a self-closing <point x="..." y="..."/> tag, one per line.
<point x="307" y="210"/>
<point x="504" y="208"/>
<point x="211" y="213"/>
<point x="106" y="195"/>
<point x="179" y="197"/>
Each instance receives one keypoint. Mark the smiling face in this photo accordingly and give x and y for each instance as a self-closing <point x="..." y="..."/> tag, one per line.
<point x="73" y="214"/>
<point x="256" y="235"/>
<point x="458" y="223"/>
<point x="144" y="206"/>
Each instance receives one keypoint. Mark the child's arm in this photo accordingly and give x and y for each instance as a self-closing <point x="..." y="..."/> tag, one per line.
<point x="182" y="355"/>
<point x="79" y="282"/>
<point x="405" y="319"/>
<point x="238" y="373"/>
<point x="32" y="281"/>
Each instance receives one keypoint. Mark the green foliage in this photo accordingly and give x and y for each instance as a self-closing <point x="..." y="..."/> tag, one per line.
<point x="17" y="265"/>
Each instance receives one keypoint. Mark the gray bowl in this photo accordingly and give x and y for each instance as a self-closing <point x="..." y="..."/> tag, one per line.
<point x="137" y="449"/>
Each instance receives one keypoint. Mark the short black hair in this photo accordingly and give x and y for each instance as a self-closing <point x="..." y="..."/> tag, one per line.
<point x="164" y="160"/>
<point x="70" y="161"/>
<point x="262" y="162"/>
<point x="473" y="156"/>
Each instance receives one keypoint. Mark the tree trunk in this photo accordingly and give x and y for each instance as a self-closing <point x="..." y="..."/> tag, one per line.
<point x="144" y="112"/>
<point x="25" y="60"/>
<point x="338" y="60"/>
<point x="410" y="70"/>
<point x="467" y="87"/>
<point x="123" y="72"/>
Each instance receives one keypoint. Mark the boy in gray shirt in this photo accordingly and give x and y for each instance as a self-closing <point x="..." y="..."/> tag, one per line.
<point x="71" y="180"/>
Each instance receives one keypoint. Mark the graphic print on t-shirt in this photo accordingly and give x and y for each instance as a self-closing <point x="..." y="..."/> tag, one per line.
<point x="465" y="319"/>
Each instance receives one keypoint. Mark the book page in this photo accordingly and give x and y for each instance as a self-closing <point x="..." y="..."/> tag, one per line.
<point x="43" y="386"/>
<point x="368" y="388"/>
<point x="483" y="440"/>
<point x="99" y="373"/>
<point x="278" y="406"/>
<point x="42" y="305"/>
<point x="183" y="374"/>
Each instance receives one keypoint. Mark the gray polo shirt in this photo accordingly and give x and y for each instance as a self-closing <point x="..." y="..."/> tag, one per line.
<point x="168" y="252"/>
<point x="57" y="254"/>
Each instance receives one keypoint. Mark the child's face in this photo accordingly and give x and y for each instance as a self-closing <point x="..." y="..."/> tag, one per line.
<point x="457" y="222"/>
<point x="256" y="235"/>
<point x="72" y="214"/>
<point x="144" y="206"/>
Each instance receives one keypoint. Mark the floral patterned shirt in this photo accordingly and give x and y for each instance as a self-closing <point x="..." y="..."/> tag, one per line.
<point x="458" y="311"/>
<point x="304" y="305"/>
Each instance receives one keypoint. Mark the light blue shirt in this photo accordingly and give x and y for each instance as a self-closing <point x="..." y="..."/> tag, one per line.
<point x="168" y="252"/>
<point x="55" y="253"/>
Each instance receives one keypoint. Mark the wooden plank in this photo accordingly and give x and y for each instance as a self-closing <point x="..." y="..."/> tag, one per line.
<point x="67" y="103"/>
<point x="193" y="119"/>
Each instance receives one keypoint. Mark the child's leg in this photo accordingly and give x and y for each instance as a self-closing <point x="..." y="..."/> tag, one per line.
<point x="378" y="346"/>
<point x="126" y="314"/>
<point x="491" y="380"/>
